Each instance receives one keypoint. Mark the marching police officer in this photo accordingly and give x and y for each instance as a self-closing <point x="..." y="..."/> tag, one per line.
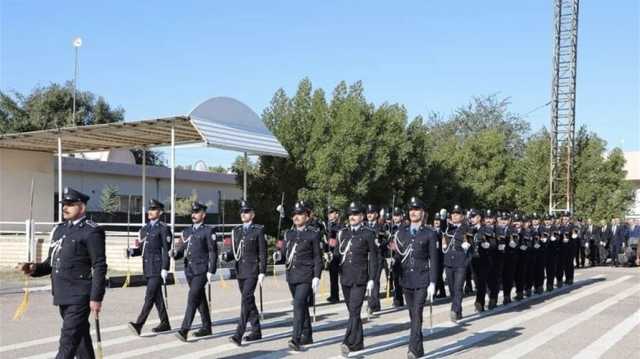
<point x="396" y="267"/>
<point x="200" y="251"/>
<point x="358" y="257"/>
<point x="524" y="240"/>
<point x="439" y="223"/>
<point x="77" y="263"/>
<point x="153" y="245"/>
<point x="495" y="264"/>
<point x="536" y="278"/>
<point x="333" y="227"/>
<point x="506" y="255"/>
<point x="550" y="244"/>
<point x="570" y="241"/>
<point x="481" y="257"/>
<point x="249" y="252"/>
<point x="303" y="263"/>
<point x="457" y="250"/>
<point x="416" y="249"/>
<point x="381" y="242"/>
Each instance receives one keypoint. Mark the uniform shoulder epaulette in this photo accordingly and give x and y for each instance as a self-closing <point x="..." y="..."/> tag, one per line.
<point x="237" y="227"/>
<point x="369" y="229"/>
<point x="91" y="223"/>
<point x="312" y="229"/>
<point x="258" y="226"/>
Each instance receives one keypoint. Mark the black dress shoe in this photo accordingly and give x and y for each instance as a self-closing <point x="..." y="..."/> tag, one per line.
<point x="453" y="316"/>
<point x="163" y="327"/>
<point x="293" y="345"/>
<point x="135" y="327"/>
<point x="569" y="282"/>
<point x="306" y="341"/>
<point x="333" y="300"/>
<point x="182" y="335"/>
<point x="492" y="303"/>
<point x="235" y="340"/>
<point x="441" y="295"/>
<point x="253" y="336"/>
<point x="479" y="307"/>
<point x="527" y="293"/>
<point x="203" y="332"/>
<point x="458" y="316"/>
<point x="506" y="300"/>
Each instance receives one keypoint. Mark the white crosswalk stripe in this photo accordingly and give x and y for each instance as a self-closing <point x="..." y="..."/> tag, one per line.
<point x="610" y="338"/>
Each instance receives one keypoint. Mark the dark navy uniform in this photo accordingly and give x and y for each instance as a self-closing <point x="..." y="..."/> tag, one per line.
<point x="334" y="264"/>
<point x="456" y="261"/>
<point x="358" y="257"/>
<point x="303" y="261"/>
<point x="249" y="251"/>
<point x="524" y="262"/>
<point x="395" y="269"/>
<point x="570" y="241"/>
<point x="480" y="261"/>
<point x="382" y="242"/>
<point x="200" y="253"/>
<point x="77" y="264"/>
<point x="417" y="252"/>
<point x="495" y="264"/>
<point x="155" y="241"/>
<point x="440" y="289"/>
<point x="550" y="241"/>
<point x="536" y="279"/>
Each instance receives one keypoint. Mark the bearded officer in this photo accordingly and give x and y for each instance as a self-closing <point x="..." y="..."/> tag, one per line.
<point x="78" y="267"/>
<point x="249" y="254"/>
<point x="303" y="263"/>
<point x="358" y="257"/>
<point x="153" y="245"/>
<point x="200" y="251"/>
<point x="416" y="249"/>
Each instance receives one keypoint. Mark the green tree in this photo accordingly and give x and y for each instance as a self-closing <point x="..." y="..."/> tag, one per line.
<point x="530" y="177"/>
<point x="109" y="199"/>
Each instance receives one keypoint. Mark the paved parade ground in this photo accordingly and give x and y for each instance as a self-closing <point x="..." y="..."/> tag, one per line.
<point x="598" y="316"/>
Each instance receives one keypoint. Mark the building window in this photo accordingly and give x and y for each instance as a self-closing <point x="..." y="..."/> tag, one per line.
<point x="136" y="204"/>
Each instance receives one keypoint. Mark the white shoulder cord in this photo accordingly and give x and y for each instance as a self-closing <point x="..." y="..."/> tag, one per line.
<point x="236" y="254"/>
<point x="405" y="254"/>
<point x="289" y="261"/>
<point x="57" y="245"/>
<point x="142" y="240"/>
<point x="451" y="242"/>
<point x="343" y="254"/>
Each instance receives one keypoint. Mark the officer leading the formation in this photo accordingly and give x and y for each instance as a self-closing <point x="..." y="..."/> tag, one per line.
<point x="303" y="263"/>
<point x="77" y="263"/>
<point x="200" y="252"/>
<point x="153" y="245"/>
<point x="457" y="256"/>
<point x="416" y="249"/>
<point x="358" y="257"/>
<point x="249" y="252"/>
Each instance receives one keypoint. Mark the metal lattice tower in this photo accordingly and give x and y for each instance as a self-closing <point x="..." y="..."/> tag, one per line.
<point x="563" y="105"/>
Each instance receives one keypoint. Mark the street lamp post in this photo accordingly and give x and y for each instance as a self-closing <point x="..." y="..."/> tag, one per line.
<point x="77" y="42"/>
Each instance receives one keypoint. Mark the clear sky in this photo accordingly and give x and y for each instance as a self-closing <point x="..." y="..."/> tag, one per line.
<point x="158" y="58"/>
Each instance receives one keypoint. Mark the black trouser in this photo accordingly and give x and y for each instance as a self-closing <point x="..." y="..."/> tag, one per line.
<point x="594" y="253"/>
<point x="580" y="255"/>
<point x="468" y="276"/>
<point x="495" y="274"/>
<point x="481" y="266"/>
<point x="301" y="319"/>
<point x="248" y="310"/>
<point x="568" y="264"/>
<point x="398" y="298"/>
<point x="529" y="282"/>
<point x="455" y="280"/>
<point x="440" y="282"/>
<point x="508" y="273"/>
<point x="521" y="271"/>
<point x="562" y="260"/>
<point x="415" y="304"/>
<point x="334" y="280"/>
<point x="374" y="298"/>
<point x="615" y="250"/>
<point x="539" y="256"/>
<point x="197" y="299"/>
<point x="152" y="296"/>
<point x="551" y="264"/>
<point x="354" y="297"/>
<point x="75" y="338"/>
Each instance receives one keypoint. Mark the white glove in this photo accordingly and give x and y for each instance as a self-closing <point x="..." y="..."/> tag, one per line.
<point x="369" y="287"/>
<point x="501" y="247"/>
<point x="444" y="246"/>
<point x="431" y="290"/>
<point x="163" y="274"/>
<point x="523" y="247"/>
<point x="586" y="245"/>
<point x="565" y="240"/>
<point x="485" y="245"/>
<point x="536" y="246"/>
<point x="512" y="244"/>
<point x="544" y="239"/>
<point x="315" y="283"/>
<point x="553" y="238"/>
<point x="260" y="279"/>
<point x="574" y="236"/>
<point x="465" y="245"/>
<point x="209" y="277"/>
<point x="623" y="245"/>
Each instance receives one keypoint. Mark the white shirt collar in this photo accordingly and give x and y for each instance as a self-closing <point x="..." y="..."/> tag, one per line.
<point x="75" y="223"/>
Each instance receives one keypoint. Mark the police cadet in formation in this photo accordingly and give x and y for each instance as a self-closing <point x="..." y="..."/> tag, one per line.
<point x="303" y="263"/>
<point x="468" y="277"/>
<point x="536" y="279"/>
<point x="505" y="254"/>
<point x="439" y="223"/>
<point x="333" y="227"/>
<point x="249" y="254"/>
<point x="510" y="268"/>
<point x="416" y="249"/>
<point x="77" y="264"/>
<point x="523" y="232"/>
<point x="395" y="268"/>
<point x="550" y="244"/>
<point x="457" y="250"/>
<point x="481" y="257"/>
<point x="582" y="247"/>
<point x="153" y="244"/>
<point x="570" y="240"/>
<point x="591" y="237"/>
<point x="381" y="242"/>
<point x="200" y="252"/>
<point x="495" y="263"/>
<point x="358" y="257"/>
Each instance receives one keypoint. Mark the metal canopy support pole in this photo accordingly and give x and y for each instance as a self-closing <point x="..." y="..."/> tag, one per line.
<point x="59" y="178"/>
<point x="144" y="186"/>
<point x="173" y="187"/>
<point x="244" y="179"/>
